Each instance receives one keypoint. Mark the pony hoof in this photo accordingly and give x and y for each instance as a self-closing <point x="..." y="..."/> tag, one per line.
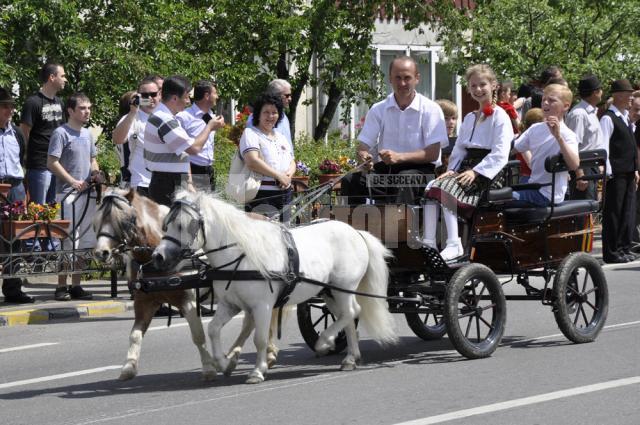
<point x="323" y="348"/>
<point x="271" y="360"/>
<point x="231" y="365"/>
<point x="128" y="372"/>
<point x="255" y="378"/>
<point x="348" y="366"/>
<point x="209" y="374"/>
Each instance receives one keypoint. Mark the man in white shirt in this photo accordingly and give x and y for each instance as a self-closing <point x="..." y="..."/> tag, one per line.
<point x="130" y="130"/>
<point x="194" y="119"/>
<point x="583" y="120"/>
<point x="402" y="135"/>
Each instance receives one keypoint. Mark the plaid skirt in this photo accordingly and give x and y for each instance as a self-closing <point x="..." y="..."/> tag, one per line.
<point x="463" y="199"/>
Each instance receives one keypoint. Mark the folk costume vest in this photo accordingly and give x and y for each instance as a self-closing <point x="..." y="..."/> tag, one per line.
<point x="622" y="146"/>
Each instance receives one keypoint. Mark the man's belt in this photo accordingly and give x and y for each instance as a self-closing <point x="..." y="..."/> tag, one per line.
<point x="201" y="169"/>
<point x="10" y="180"/>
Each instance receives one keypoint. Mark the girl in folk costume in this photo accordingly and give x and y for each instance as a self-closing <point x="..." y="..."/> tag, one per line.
<point x="480" y="153"/>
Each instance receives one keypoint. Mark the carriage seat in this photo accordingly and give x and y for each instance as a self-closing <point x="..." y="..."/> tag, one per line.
<point x="538" y="215"/>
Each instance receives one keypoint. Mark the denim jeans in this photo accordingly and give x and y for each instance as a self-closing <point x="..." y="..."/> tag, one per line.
<point x="41" y="185"/>
<point x="17" y="193"/>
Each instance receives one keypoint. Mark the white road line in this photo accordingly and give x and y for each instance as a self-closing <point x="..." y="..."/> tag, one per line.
<point x="26" y="347"/>
<point x="519" y="402"/>
<point x="526" y="341"/>
<point x="56" y="377"/>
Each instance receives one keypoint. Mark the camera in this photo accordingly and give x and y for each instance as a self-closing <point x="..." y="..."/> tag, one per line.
<point x="138" y="100"/>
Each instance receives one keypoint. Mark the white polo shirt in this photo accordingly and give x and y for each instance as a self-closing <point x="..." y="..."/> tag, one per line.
<point x="277" y="153"/>
<point x="165" y="142"/>
<point x="542" y="144"/>
<point x="416" y="127"/>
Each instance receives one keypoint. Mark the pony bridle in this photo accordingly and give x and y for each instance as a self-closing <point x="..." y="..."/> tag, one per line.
<point x="196" y="225"/>
<point x="120" y="240"/>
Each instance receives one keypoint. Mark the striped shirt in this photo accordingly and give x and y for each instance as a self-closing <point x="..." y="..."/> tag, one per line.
<point x="165" y="142"/>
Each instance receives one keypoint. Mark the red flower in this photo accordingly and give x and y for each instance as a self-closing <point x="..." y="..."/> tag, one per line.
<point x="487" y="110"/>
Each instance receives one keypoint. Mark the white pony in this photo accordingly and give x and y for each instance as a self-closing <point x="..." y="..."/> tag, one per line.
<point x="133" y="222"/>
<point x="331" y="252"/>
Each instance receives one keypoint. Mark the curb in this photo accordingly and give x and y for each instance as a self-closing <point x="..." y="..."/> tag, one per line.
<point x="42" y="315"/>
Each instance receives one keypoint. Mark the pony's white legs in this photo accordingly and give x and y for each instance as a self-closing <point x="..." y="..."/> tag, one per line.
<point x="143" y="312"/>
<point x="197" y="336"/>
<point x="236" y="347"/>
<point x="272" y="349"/>
<point x="224" y="313"/>
<point x="353" y="348"/>
<point x="260" y="339"/>
<point x="345" y="308"/>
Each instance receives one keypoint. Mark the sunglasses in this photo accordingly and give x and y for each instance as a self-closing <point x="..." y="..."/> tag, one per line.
<point x="148" y="95"/>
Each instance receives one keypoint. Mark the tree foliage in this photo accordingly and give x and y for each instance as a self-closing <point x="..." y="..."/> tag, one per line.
<point x="106" y="46"/>
<point x="519" y="38"/>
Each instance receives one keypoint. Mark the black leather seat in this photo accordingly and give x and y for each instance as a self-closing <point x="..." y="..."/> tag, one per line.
<point x="537" y="215"/>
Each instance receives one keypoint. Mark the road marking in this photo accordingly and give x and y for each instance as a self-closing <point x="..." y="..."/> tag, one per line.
<point x="26" y="347"/>
<point x="526" y="341"/>
<point x="519" y="402"/>
<point x="56" y="377"/>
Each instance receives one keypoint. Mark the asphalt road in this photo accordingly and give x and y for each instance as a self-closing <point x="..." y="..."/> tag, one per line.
<point x="65" y="373"/>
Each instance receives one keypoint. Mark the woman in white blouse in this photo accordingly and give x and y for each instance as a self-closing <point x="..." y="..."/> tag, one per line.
<point x="480" y="153"/>
<point x="269" y="153"/>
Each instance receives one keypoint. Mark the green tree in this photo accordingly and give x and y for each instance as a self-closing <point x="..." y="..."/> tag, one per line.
<point x="519" y="38"/>
<point x="290" y="39"/>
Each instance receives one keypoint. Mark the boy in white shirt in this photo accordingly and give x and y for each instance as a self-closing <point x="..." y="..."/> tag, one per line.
<point x="545" y="139"/>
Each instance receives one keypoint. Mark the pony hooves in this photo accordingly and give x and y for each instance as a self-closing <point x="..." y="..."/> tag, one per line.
<point x="323" y="348"/>
<point x="255" y="378"/>
<point x="128" y="371"/>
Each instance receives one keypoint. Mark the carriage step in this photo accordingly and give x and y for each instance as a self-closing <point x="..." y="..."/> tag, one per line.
<point x="405" y="300"/>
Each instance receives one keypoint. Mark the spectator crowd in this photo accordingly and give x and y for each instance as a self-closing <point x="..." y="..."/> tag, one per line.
<point x="166" y="133"/>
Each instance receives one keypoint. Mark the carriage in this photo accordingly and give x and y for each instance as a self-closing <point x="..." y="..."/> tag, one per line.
<point x="545" y="250"/>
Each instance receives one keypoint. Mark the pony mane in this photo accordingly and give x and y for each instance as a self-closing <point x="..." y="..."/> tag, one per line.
<point x="149" y="218"/>
<point x="260" y="240"/>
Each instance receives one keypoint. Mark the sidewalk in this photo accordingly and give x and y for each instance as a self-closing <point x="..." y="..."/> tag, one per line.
<point x="46" y="309"/>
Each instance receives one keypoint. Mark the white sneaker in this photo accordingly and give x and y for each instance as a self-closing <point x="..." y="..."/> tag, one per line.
<point x="453" y="250"/>
<point x="430" y="243"/>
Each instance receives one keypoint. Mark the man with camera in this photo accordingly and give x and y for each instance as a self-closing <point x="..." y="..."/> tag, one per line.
<point x="194" y="119"/>
<point x="130" y="130"/>
<point x="167" y="145"/>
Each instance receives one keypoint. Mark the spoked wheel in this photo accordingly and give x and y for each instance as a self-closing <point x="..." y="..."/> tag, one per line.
<point x="475" y="311"/>
<point x="313" y="318"/>
<point x="581" y="297"/>
<point x="428" y="326"/>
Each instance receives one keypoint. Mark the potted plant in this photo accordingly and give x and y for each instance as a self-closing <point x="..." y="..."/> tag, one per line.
<point x="302" y="174"/>
<point x="20" y="221"/>
<point x="329" y="170"/>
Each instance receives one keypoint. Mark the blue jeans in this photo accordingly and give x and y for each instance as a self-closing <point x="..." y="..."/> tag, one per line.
<point x="528" y="198"/>
<point x="17" y="193"/>
<point x="41" y="185"/>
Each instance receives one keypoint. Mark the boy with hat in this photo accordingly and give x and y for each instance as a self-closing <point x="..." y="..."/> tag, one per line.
<point x="11" y="161"/>
<point x="619" y="204"/>
<point x="583" y="120"/>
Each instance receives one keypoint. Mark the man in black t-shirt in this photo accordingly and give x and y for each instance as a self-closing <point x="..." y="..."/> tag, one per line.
<point x="41" y="114"/>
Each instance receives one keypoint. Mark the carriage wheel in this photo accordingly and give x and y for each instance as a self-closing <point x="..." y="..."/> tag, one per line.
<point x="475" y="311"/>
<point x="313" y="318"/>
<point x="581" y="297"/>
<point x="428" y="326"/>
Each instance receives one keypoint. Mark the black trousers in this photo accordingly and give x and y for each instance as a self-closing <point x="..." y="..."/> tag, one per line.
<point x="357" y="189"/>
<point x="204" y="177"/>
<point x="618" y="215"/>
<point x="589" y="193"/>
<point x="269" y="202"/>
<point x="163" y="186"/>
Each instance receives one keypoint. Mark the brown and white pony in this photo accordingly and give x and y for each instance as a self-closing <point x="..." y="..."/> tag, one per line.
<point x="127" y="221"/>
